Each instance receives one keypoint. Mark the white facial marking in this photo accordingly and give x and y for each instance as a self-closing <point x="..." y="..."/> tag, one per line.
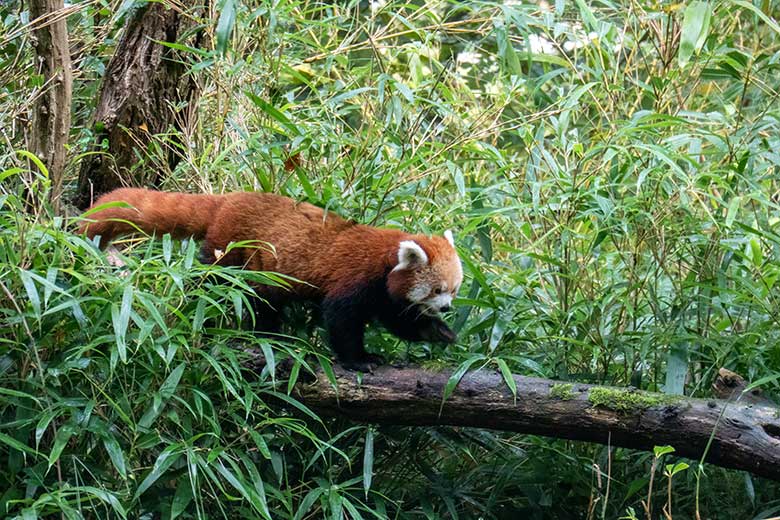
<point x="449" y="237"/>
<point x="410" y="254"/>
<point x="441" y="300"/>
<point x="418" y="292"/>
<point x="458" y="272"/>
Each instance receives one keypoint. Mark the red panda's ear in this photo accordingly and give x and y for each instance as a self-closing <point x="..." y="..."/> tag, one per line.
<point x="449" y="237"/>
<point x="410" y="254"/>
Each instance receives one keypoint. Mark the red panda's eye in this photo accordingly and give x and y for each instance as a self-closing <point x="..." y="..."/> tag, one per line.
<point x="437" y="290"/>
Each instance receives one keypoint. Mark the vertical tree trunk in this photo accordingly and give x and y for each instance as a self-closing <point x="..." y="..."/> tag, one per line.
<point x="143" y="83"/>
<point x="51" y="109"/>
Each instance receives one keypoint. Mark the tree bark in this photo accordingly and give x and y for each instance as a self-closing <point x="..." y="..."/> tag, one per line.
<point x="744" y="436"/>
<point x="730" y="385"/>
<point x="143" y="87"/>
<point x="51" y="109"/>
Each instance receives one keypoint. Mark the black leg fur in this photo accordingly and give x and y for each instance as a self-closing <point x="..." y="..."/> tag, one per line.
<point x="345" y="322"/>
<point x="206" y="255"/>
<point x="267" y="315"/>
<point x="346" y="318"/>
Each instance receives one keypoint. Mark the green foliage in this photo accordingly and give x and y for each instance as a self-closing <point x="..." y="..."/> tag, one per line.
<point x="609" y="169"/>
<point x="121" y="390"/>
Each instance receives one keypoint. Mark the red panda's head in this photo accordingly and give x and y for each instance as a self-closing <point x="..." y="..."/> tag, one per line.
<point x="428" y="273"/>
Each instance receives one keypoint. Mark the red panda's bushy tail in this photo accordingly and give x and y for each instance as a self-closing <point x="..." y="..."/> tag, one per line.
<point x="180" y="214"/>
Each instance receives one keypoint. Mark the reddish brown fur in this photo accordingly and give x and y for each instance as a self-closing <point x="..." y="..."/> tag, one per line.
<point x="333" y="256"/>
<point x="352" y="269"/>
<point x="180" y="214"/>
<point x="439" y="252"/>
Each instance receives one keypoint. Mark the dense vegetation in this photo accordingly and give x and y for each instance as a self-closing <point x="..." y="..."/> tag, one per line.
<point x="610" y="171"/>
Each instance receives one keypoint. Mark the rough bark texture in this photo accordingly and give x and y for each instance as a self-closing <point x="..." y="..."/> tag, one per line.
<point x="51" y="110"/>
<point x="143" y="82"/>
<point x="746" y="436"/>
<point x="730" y="385"/>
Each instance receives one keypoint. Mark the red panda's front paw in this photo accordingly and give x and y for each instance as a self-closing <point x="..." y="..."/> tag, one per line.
<point x="438" y="332"/>
<point x="365" y="363"/>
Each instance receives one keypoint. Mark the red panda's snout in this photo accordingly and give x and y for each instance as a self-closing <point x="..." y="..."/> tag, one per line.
<point x="428" y="273"/>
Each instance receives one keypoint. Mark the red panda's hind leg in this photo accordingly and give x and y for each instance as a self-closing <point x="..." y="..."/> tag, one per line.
<point x="267" y="306"/>
<point x="265" y="303"/>
<point x="345" y="323"/>
<point x="211" y="253"/>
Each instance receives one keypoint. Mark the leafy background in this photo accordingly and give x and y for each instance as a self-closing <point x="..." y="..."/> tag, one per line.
<point x="610" y="169"/>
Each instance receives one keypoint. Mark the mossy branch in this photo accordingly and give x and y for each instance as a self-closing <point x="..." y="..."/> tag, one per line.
<point x="744" y="435"/>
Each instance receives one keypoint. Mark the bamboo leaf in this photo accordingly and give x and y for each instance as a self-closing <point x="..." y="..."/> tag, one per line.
<point x="182" y="497"/>
<point x="120" y="318"/>
<point x="457" y="375"/>
<point x="64" y="433"/>
<point x="168" y="387"/>
<point x="116" y="454"/>
<point x="225" y="24"/>
<point x="307" y="502"/>
<point x="273" y="113"/>
<point x="695" y="26"/>
<point x="368" y="461"/>
<point x="13" y="443"/>
<point x="32" y="292"/>
<point x="36" y="161"/>
<point x="508" y="377"/>
<point x="164" y="461"/>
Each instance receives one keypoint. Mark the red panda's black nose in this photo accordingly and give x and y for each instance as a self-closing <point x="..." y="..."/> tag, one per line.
<point x="444" y="308"/>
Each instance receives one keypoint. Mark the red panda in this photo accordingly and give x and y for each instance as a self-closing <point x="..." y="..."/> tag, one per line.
<point x="358" y="273"/>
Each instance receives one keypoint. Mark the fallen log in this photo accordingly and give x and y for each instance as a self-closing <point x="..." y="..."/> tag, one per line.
<point x="730" y="385"/>
<point x="744" y="436"/>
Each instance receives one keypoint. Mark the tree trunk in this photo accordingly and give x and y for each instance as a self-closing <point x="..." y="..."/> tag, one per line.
<point x="744" y="436"/>
<point x="143" y="87"/>
<point x="51" y="109"/>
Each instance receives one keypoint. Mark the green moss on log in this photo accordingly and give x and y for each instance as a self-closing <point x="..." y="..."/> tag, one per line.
<point x="628" y="400"/>
<point x="562" y="391"/>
